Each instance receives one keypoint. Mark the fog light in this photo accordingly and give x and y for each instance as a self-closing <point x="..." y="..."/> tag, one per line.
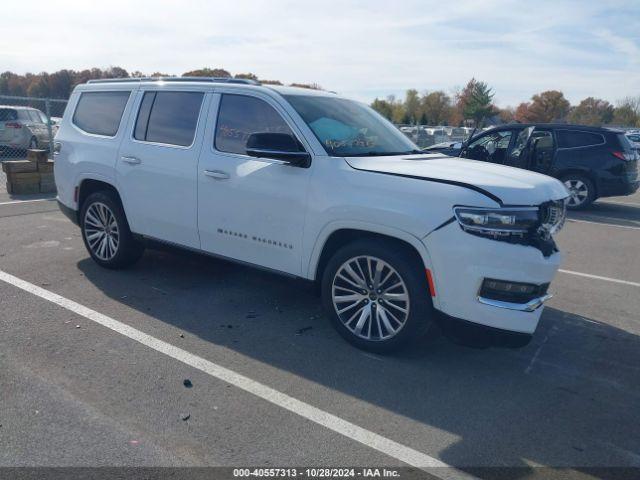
<point x="515" y="292"/>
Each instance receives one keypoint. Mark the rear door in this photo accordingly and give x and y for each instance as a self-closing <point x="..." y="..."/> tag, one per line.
<point x="158" y="162"/>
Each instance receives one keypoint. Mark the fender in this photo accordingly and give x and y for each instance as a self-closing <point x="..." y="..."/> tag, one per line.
<point x="82" y="176"/>
<point x="321" y="239"/>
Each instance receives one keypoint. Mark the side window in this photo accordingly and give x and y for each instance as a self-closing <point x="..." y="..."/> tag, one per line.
<point x="490" y="148"/>
<point x="43" y="117"/>
<point x="239" y="116"/>
<point x="100" y="112"/>
<point x="8" y="115"/>
<point x="168" y="117"/>
<point x="573" y="139"/>
<point x="34" y="117"/>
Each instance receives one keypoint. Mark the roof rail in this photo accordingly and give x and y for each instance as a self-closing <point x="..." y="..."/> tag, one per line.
<point x="245" y="81"/>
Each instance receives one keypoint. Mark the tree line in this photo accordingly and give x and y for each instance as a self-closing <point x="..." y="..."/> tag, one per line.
<point x="60" y="84"/>
<point x="473" y="105"/>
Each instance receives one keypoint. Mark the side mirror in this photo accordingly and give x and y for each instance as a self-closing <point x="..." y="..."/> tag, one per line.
<point x="279" y="146"/>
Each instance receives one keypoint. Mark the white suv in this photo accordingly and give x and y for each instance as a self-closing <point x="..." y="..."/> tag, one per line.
<point x="316" y="186"/>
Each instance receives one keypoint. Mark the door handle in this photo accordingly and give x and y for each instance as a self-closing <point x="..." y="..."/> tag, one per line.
<point x="217" y="174"/>
<point x="131" y="160"/>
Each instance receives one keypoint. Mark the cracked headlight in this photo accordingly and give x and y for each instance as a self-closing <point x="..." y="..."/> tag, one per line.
<point x="498" y="222"/>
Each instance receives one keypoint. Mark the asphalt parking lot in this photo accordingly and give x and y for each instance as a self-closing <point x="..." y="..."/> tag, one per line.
<point x="272" y="384"/>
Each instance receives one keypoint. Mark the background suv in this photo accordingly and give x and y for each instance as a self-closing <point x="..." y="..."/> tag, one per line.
<point x="310" y="184"/>
<point x="592" y="162"/>
<point x="22" y="128"/>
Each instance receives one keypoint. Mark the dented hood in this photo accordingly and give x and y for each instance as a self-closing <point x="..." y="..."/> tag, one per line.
<point x="506" y="185"/>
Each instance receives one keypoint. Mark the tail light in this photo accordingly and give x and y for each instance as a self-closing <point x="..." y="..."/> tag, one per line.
<point x="12" y="125"/>
<point x="627" y="157"/>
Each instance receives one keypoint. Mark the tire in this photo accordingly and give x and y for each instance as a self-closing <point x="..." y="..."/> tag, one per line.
<point x="381" y="311"/>
<point x="102" y="212"/>
<point x="33" y="143"/>
<point x="581" y="189"/>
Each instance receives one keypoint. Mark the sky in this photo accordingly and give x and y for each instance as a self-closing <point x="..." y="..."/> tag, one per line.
<point x="361" y="49"/>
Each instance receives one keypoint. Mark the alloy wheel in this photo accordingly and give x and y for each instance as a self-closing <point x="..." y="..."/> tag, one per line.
<point x="101" y="231"/>
<point x="370" y="298"/>
<point x="578" y="192"/>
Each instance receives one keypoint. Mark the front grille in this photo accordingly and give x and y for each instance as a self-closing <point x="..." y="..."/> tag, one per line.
<point x="552" y="217"/>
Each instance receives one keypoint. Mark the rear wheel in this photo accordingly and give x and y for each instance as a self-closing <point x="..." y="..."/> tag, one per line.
<point x="377" y="295"/>
<point x="581" y="191"/>
<point x="33" y="143"/>
<point x="106" y="233"/>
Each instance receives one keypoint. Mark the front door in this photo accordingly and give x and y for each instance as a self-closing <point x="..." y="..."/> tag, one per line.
<point x="251" y="209"/>
<point x="157" y="165"/>
<point x="543" y="149"/>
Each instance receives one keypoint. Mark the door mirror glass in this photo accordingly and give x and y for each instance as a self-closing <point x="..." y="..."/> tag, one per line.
<point x="279" y="146"/>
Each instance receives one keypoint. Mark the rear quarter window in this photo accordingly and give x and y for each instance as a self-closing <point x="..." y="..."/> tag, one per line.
<point x="625" y="141"/>
<point x="100" y="113"/>
<point x="8" y="115"/>
<point x="574" y="139"/>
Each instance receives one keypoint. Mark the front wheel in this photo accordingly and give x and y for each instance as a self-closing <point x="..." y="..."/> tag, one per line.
<point x="377" y="295"/>
<point x="106" y="233"/>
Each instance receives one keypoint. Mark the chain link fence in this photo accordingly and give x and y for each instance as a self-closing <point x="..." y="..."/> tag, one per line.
<point x="28" y="123"/>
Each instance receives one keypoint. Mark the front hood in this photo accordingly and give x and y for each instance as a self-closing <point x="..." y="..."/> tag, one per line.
<point x="506" y="185"/>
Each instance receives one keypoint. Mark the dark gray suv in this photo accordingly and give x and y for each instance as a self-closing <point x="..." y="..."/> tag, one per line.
<point x="592" y="162"/>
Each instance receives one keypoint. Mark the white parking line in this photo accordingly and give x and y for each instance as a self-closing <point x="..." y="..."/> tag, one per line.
<point x="603" y="224"/>
<point x="13" y="202"/>
<point x="598" y="277"/>
<point x="350" y="430"/>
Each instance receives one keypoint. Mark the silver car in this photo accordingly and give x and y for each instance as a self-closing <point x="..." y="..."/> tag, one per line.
<point x="22" y="128"/>
<point x="634" y="138"/>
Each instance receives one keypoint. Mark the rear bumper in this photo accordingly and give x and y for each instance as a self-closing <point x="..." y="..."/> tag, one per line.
<point x="618" y="187"/>
<point x="70" y="213"/>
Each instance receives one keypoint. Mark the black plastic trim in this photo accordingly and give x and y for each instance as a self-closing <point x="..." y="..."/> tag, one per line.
<point x="444" y="224"/>
<point x="474" y="335"/>
<point x="70" y="213"/>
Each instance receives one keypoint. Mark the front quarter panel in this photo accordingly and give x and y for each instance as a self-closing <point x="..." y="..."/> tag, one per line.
<point x="406" y="208"/>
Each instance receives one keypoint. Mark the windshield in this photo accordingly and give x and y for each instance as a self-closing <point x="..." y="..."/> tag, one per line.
<point x="350" y="129"/>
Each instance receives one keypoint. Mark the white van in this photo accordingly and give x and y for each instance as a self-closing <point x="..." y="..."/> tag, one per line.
<point x="317" y="186"/>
